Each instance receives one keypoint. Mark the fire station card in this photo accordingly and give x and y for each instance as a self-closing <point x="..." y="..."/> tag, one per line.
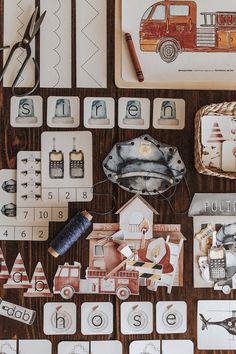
<point x="35" y="346"/>
<point x="96" y="318"/>
<point x="101" y="347"/>
<point x="67" y="165"/>
<point x="8" y="346"/>
<point x="136" y="317"/>
<point x="212" y="155"/>
<point x="171" y="317"/>
<point x="63" y="112"/>
<point x="26" y="112"/>
<point x="215" y="129"/>
<point x="134" y="113"/>
<point x="168" y="346"/>
<point x="99" y="112"/>
<point x="216" y="325"/>
<point x="169" y="113"/>
<point x="73" y="347"/>
<point x="229" y="156"/>
<point x="10" y="227"/>
<point x="59" y="318"/>
<point x="32" y="204"/>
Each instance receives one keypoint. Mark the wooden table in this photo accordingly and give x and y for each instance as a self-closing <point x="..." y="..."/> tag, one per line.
<point x="13" y="140"/>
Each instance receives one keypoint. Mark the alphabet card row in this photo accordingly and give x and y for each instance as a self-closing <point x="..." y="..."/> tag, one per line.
<point x="159" y="347"/>
<point x="99" y="112"/>
<point x="94" y="347"/>
<point x="25" y="346"/>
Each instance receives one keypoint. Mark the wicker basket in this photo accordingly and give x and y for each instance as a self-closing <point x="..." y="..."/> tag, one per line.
<point x="227" y="108"/>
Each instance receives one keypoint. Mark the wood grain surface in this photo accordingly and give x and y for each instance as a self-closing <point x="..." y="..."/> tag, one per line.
<point x="13" y="140"/>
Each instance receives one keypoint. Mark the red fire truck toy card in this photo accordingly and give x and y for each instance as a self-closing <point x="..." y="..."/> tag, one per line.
<point x="8" y="346"/>
<point x="96" y="318"/>
<point x="136" y="318"/>
<point x="33" y="203"/>
<point x="166" y="346"/>
<point x="63" y="112"/>
<point x="216" y="325"/>
<point x="134" y="113"/>
<point x="67" y="165"/>
<point x="101" y="347"/>
<point x="35" y="346"/>
<point x="188" y="44"/>
<point x="169" y="113"/>
<point x="99" y="112"/>
<point x="171" y="317"/>
<point x="59" y="318"/>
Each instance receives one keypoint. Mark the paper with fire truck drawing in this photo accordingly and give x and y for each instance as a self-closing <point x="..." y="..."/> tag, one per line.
<point x="187" y="44"/>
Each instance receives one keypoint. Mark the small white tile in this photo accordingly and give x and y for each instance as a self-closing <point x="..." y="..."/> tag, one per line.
<point x="26" y="112"/>
<point x="8" y="346"/>
<point x="59" y="318"/>
<point x="171" y="317"/>
<point x="99" y="112"/>
<point x="136" y="318"/>
<point x="134" y="113"/>
<point x="35" y="346"/>
<point x="169" y="113"/>
<point x="63" y="112"/>
<point x="73" y="347"/>
<point x="96" y="318"/>
<point x="101" y="347"/>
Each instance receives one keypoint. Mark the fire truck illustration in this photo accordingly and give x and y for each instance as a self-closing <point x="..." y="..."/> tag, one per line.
<point x="127" y="255"/>
<point x="170" y="28"/>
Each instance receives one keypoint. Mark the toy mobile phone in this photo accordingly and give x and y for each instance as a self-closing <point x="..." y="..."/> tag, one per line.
<point x="56" y="163"/>
<point x="76" y="163"/>
<point x="217" y="263"/>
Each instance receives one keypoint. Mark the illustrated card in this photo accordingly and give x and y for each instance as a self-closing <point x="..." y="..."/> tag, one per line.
<point x="169" y="113"/>
<point x="99" y="112"/>
<point x="101" y="347"/>
<point x="179" y="45"/>
<point x="59" y="318"/>
<point x="67" y="165"/>
<point x="171" y="317"/>
<point x="11" y="228"/>
<point x="26" y="111"/>
<point x="168" y="346"/>
<point x="215" y="129"/>
<point x="136" y="318"/>
<point x="96" y="318"/>
<point x="212" y="155"/>
<point x="8" y="346"/>
<point x="35" y="346"/>
<point x="134" y="113"/>
<point x="216" y="325"/>
<point x="229" y="156"/>
<point x="73" y="347"/>
<point x="63" y="112"/>
<point x="34" y="204"/>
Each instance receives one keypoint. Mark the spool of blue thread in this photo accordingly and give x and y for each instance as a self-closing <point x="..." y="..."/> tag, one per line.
<point x="75" y="228"/>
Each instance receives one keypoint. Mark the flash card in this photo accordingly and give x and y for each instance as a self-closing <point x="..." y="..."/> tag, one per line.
<point x="8" y="346"/>
<point x="212" y="155"/>
<point x="96" y="318"/>
<point x="171" y="317"/>
<point x="73" y="348"/>
<point x="166" y="346"/>
<point x="59" y="318"/>
<point x="229" y="156"/>
<point x="26" y="112"/>
<point x="216" y="325"/>
<point x="35" y="346"/>
<point x="32" y="204"/>
<point x="63" y="112"/>
<point x="215" y="129"/>
<point x="101" y="347"/>
<point x="67" y="167"/>
<point x="10" y="227"/>
<point x="169" y="113"/>
<point x="134" y="113"/>
<point x="136" y="317"/>
<point x="99" y="112"/>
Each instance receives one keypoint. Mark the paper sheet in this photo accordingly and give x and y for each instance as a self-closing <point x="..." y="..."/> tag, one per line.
<point x="17" y="13"/>
<point x="55" y="44"/>
<point x="91" y="19"/>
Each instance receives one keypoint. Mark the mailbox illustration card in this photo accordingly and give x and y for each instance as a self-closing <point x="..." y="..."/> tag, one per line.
<point x="185" y="45"/>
